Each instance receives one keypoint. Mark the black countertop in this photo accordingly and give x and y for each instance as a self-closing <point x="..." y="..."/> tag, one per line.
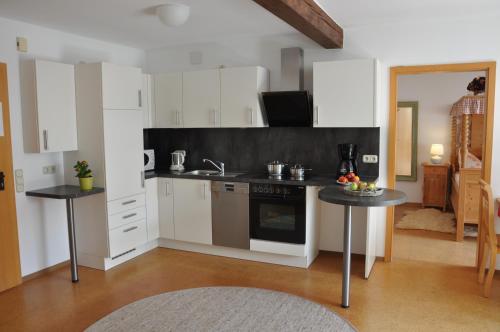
<point x="63" y="192"/>
<point x="336" y="195"/>
<point x="313" y="180"/>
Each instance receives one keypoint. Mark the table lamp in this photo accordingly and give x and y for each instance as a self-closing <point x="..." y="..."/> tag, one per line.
<point x="437" y="151"/>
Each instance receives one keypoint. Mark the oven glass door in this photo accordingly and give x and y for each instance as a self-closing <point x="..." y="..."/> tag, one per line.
<point x="278" y="219"/>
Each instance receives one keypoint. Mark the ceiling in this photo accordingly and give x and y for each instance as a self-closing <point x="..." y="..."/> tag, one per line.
<point x="132" y="22"/>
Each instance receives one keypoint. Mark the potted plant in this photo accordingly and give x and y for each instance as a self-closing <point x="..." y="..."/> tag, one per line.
<point x="84" y="175"/>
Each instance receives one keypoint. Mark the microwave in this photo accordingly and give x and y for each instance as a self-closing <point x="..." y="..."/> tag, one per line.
<point x="149" y="160"/>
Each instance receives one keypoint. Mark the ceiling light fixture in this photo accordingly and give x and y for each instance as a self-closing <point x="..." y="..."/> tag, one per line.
<point x="173" y="14"/>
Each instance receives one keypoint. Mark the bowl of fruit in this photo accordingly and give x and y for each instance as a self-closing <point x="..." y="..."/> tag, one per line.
<point x="347" y="179"/>
<point x="362" y="188"/>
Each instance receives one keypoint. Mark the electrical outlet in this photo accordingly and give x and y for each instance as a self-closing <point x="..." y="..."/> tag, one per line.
<point x="370" y="158"/>
<point x="51" y="169"/>
<point x="19" y="179"/>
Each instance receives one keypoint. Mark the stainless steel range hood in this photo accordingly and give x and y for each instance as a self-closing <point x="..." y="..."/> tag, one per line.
<point x="291" y="106"/>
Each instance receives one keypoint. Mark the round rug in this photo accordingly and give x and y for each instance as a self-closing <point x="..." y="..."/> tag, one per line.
<point x="222" y="309"/>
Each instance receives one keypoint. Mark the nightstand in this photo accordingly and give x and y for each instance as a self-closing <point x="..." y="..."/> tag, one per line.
<point x="436" y="185"/>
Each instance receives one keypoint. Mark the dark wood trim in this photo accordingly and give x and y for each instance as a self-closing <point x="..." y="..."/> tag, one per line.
<point x="307" y="17"/>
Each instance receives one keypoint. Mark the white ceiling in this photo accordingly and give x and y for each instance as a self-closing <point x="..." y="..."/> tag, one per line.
<point x="132" y="22"/>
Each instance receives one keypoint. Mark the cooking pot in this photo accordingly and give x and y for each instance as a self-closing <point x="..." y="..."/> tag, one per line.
<point x="298" y="171"/>
<point x="276" y="168"/>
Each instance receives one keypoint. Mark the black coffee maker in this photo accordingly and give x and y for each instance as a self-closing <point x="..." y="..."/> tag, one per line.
<point x="348" y="155"/>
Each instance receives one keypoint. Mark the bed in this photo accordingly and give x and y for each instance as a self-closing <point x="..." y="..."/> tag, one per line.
<point x="467" y="122"/>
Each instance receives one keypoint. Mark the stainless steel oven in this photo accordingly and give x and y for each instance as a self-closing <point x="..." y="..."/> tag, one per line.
<point x="278" y="212"/>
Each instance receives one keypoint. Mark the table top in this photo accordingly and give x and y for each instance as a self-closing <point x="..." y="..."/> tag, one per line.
<point x="63" y="192"/>
<point x="336" y="195"/>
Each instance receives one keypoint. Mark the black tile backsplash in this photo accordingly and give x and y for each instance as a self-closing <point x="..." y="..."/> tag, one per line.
<point x="249" y="149"/>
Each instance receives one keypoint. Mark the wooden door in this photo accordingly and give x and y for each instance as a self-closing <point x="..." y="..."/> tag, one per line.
<point x="121" y="87"/>
<point x="10" y="269"/>
<point x="344" y="93"/>
<point x="201" y="98"/>
<point x="123" y="150"/>
<point x="168" y="100"/>
<point x="193" y="211"/>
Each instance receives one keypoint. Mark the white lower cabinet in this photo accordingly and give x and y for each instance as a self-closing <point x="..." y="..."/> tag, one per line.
<point x="166" y="208"/>
<point x="127" y="237"/>
<point x="152" y="213"/>
<point x="192" y="211"/>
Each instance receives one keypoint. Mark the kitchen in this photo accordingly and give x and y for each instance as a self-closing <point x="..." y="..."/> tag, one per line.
<point x="179" y="203"/>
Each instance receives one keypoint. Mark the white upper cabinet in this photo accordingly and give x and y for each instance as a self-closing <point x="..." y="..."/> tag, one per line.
<point x="345" y="93"/>
<point x="240" y="90"/>
<point x="49" y="120"/>
<point x="121" y="87"/>
<point x="123" y="150"/>
<point x="193" y="211"/>
<point x="168" y="100"/>
<point x="146" y="104"/>
<point x="201" y="98"/>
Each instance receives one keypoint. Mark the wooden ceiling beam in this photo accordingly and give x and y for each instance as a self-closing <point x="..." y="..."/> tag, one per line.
<point x="307" y="17"/>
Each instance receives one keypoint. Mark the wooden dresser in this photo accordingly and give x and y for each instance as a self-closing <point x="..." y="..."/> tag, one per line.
<point x="436" y="185"/>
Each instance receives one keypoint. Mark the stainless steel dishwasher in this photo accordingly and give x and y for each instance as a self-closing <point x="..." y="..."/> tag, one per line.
<point x="230" y="214"/>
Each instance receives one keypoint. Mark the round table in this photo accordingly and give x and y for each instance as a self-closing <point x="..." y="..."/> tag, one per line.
<point x="336" y="195"/>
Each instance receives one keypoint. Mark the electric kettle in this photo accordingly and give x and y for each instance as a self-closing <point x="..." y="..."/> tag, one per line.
<point x="178" y="158"/>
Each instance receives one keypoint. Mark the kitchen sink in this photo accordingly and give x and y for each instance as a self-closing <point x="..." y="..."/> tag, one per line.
<point x="208" y="172"/>
<point x="203" y="172"/>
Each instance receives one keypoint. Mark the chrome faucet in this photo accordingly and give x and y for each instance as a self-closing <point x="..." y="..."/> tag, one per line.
<point x="220" y="168"/>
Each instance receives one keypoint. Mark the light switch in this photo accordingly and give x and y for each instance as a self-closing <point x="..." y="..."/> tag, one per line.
<point x="19" y="179"/>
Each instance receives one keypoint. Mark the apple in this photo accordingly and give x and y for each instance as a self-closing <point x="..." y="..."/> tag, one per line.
<point x="354" y="186"/>
<point x="372" y="186"/>
<point x="356" y="179"/>
<point x="362" y="185"/>
<point x="350" y="175"/>
<point x="343" y="179"/>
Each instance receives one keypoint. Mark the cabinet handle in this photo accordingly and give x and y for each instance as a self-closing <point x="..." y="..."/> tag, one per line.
<point x="129" y="202"/>
<point x="215" y="116"/>
<point x="251" y="116"/>
<point x="45" y="139"/>
<point x="142" y="179"/>
<point x="316" y="115"/>
<point x="140" y="98"/>
<point x="177" y="122"/>
<point x="167" y="192"/>
<point x="204" y="191"/>
<point x="130" y="229"/>
<point x="129" y="216"/>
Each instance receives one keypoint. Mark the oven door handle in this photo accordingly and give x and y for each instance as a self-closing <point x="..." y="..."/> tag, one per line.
<point x="277" y="198"/>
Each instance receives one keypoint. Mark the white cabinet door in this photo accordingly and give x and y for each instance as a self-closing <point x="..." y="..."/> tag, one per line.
<point x="152" y="216"/>
<point x="240" y="89"/>
<point x="344" y="93"/>
<point x="146" y="101"/>
<point x="56" y="106"/>
<point x="123" y="151"/>
<point x="201" y="98"/>
<point x="121" y="87"/>
<point x="192" y="211"/>
<point x="168" y="100"/>
<point x="166" y="208"/>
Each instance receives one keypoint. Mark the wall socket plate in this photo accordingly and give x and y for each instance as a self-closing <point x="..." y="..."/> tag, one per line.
<point x="370" y="158"/>
<point x="19" y="180"/>
<point x="50" y="169"/>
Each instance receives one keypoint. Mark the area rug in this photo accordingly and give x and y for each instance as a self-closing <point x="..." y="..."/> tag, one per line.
<point x="433" y="220"/>
<point x="223" y="309"/>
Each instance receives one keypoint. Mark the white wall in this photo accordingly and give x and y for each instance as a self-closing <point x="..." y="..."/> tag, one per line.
<point x="394" y="44"/>
<point x="435" y="94"/>
<point x="42" y="222"/>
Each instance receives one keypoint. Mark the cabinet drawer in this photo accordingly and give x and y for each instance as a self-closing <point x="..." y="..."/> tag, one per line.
<point x="127" y="237"/>
<point x="126" y="203"/>
<point x="126" y="217"/>
<point x="435" y="170"/>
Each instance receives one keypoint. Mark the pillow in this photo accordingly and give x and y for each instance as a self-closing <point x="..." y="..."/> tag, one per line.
<point x="471" y="161"/>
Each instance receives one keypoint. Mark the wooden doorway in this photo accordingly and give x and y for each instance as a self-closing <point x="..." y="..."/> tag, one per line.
<point x="490" y="69"/>
<point x="10" y="271"/>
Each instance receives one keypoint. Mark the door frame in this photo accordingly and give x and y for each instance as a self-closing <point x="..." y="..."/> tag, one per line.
<point x="395" y="72"/>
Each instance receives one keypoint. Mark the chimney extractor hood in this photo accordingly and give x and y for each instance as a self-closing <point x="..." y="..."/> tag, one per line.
<point x="290" y="107"/>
